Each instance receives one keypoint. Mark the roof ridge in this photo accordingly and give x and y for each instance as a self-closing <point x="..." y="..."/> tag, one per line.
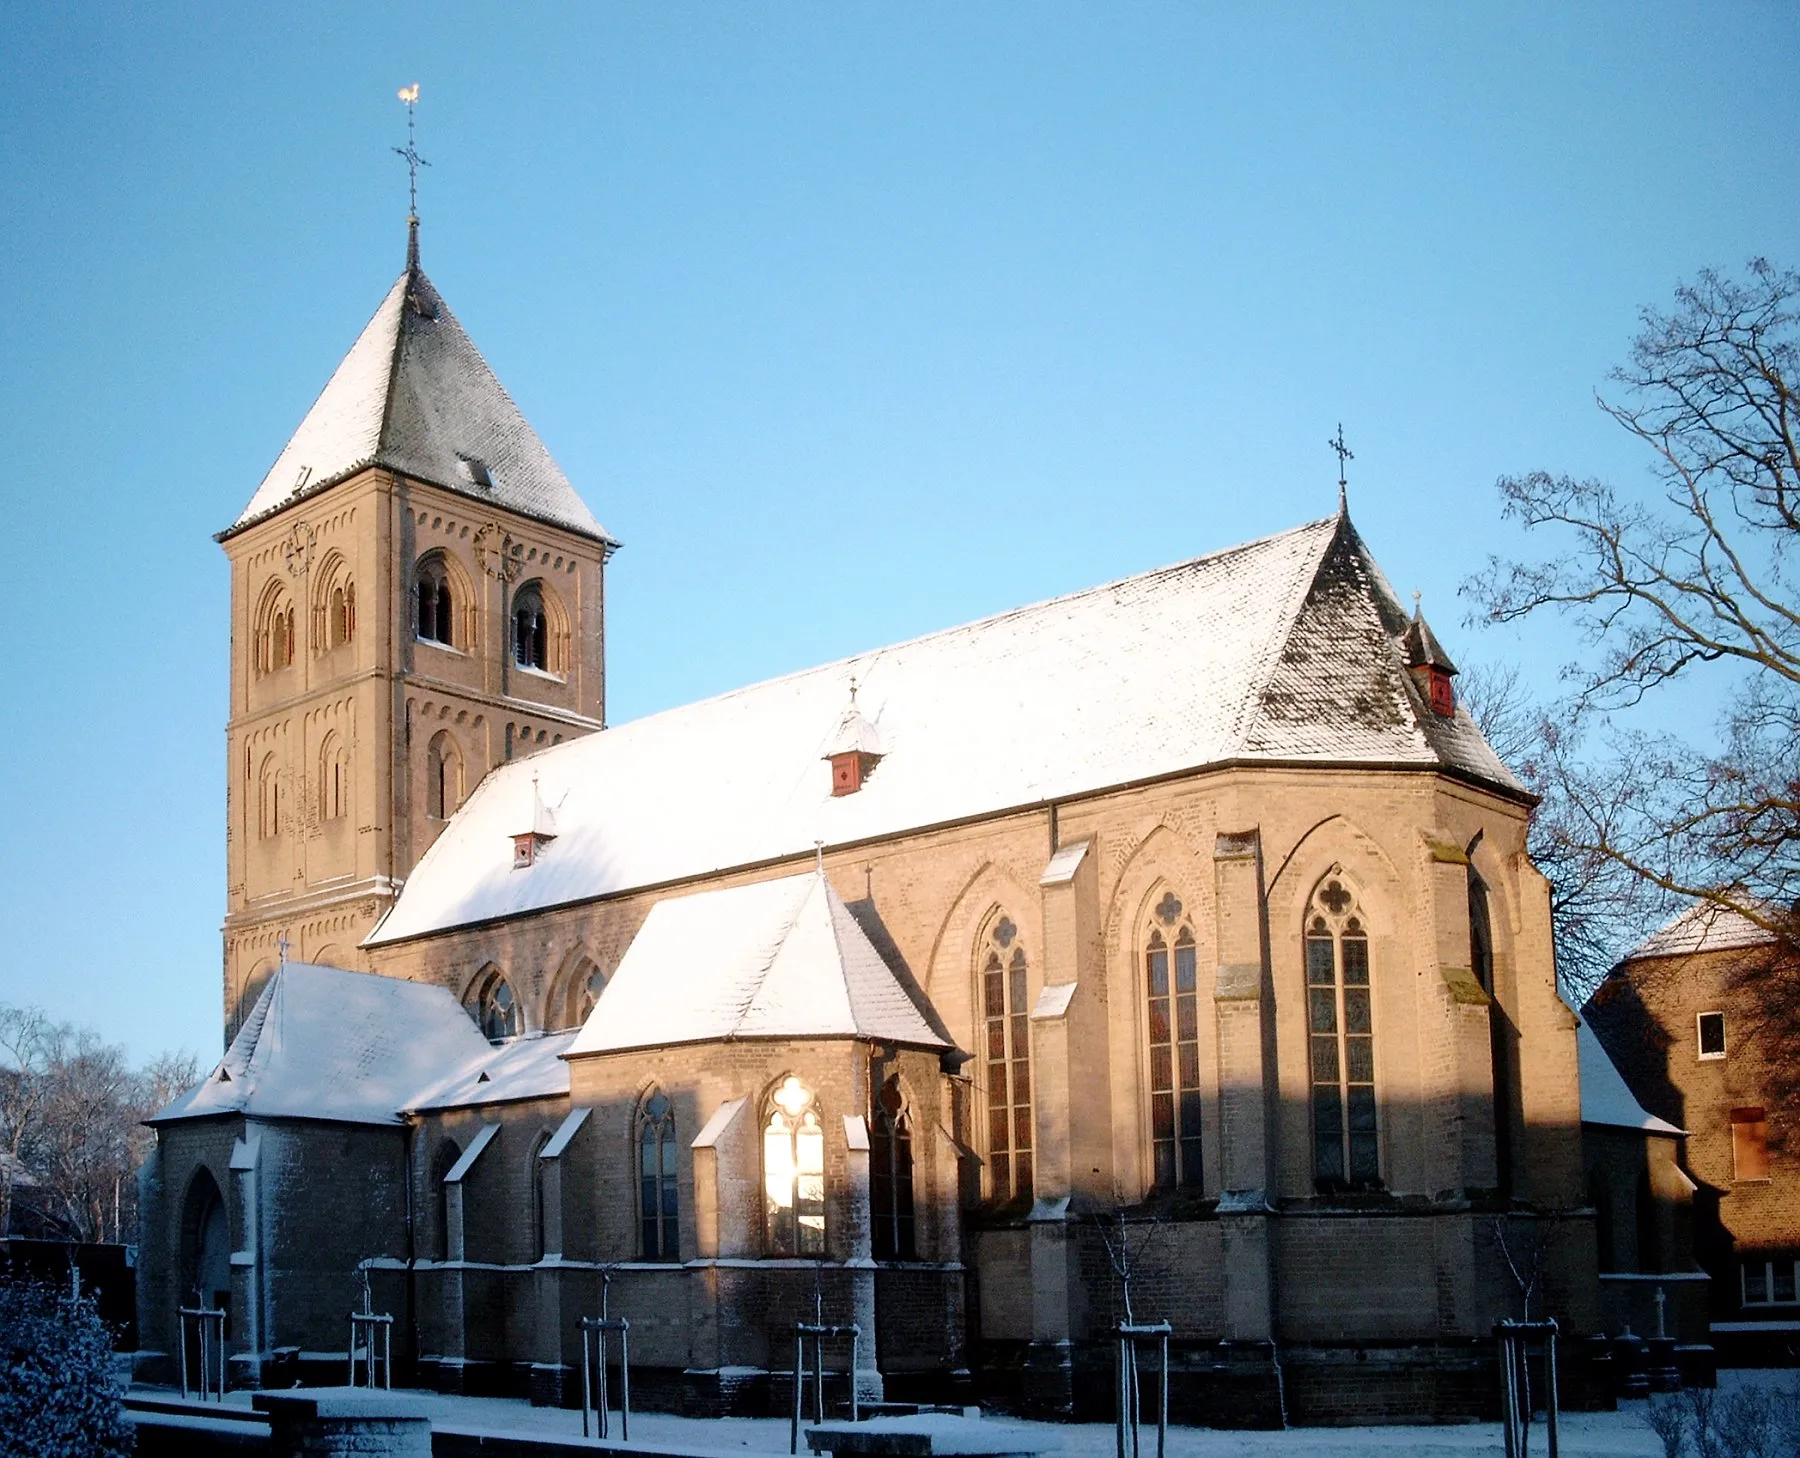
<point x="393" y="369"/>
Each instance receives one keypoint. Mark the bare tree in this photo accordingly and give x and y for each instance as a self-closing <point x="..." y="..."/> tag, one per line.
<point x="1691" y="581"/>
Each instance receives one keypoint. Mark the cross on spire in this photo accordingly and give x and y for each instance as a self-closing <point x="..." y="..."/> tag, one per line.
<point x="410" y="95"/>
<point x="1344" y="453"/>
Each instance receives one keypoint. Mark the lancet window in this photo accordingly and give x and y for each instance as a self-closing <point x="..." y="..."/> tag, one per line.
<point x="891" y="1176"/>
<point x="794" y="1171"/>
<point x="1007" y="1014"/>
<point x="659" y="1201"/>
<point x="435" y="612"/>
<point x="1171" y="990"/>
<point x="1341" y="1039"/>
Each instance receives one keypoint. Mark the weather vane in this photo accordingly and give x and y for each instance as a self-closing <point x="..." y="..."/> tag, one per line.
<point x="410" y="95"/>
<point x="1344" y="453"/>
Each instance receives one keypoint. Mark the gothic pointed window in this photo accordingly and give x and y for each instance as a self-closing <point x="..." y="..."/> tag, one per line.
<point x="1341" y="1039"/>
<point x="794" y="1171"/>
<point x="531" y="629"/>
<point x="659" y="1201"/>
<point x="576" y="994"/>
<point x="435" y="605"/>
<point x="891" y="1176"/>
<point x="1006" y="1004"/>
<point x="1171" y="989"/>
<point x="495" y="1008"/>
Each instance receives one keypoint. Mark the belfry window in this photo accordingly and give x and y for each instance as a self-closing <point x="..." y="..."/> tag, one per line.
<point x="495" y="1008"/>
<point x="1171" y="988"/>
<point x="1340" y="1027"/>
<point x="659" y="1204"/>
<point x="531" y="630"/>
<point x="341" y="615"/>
<point x="1006" y="1003"/>
<point x="794" y="1172"/>
<point x="435" y="614"/>
<point x="891" y="1176"/>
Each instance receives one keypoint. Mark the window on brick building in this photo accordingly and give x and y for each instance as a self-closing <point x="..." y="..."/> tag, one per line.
<point x="434" y="614"/>
<point x="1749" y="1144"/>
<point x="1341" y="1038"/>
<point x="1005" y="989"/>
<point x="531" y="629"/>
<point x="494" y="1007"/>
<point x="1769" y="1282"/>
<point x="659" y="1202"/>
<point x="1171" y="990"/>
<point x="274" y="631"/>
<point x="443" y="776"/>
<point x="1709" y="1029"/>
<point x="794" y="1171"/>
<point x="341" y="615"/>
<point x="891" y="1176"/>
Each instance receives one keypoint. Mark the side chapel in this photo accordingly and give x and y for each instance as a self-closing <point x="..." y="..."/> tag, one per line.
<point x="1190" y="912"/>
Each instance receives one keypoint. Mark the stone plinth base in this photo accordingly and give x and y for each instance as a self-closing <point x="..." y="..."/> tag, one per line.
<point x="344" y="1422"/>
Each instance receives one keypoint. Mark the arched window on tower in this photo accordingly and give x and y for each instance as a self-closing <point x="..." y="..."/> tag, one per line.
<point x="659" y="1200"/>
<point x="794" y="1171"/>
<point x="273" y="635"/>
<point x="494" y="1007"/>
<point x="891" y="1176"/>
<point x="1171" y="990"/>
<point x="1005" y="989"/>
<point x="443" y="776"/>
<point x="1341" y="1038"/>
<point x="434" y="612"/>
<point x="334" y="779"/>
<point x="531" y="629"/>
<point x="341" y="616"/>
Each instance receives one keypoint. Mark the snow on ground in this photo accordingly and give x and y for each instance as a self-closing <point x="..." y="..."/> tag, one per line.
<point x="1620" y="1434"/>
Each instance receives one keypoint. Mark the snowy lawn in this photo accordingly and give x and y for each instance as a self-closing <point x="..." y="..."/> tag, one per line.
<point x="1621" y="1434"/>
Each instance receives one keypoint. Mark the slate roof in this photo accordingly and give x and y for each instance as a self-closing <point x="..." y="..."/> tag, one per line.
<point x="1605" y="1098"/>
<point x="1703" y="927"/>
<point x="1286" y="649"/>
<point x="322" y="1043"/>
<point x="525" y="1068"/>
<point x="773" y="959"/>
<point x="414" y="395"/>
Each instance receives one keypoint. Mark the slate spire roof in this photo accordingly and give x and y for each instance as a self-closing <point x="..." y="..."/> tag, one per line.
<point x="414" y="395"/>
<point x="1284" y="650"/>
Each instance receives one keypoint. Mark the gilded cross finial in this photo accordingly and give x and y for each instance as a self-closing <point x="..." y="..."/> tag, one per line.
<point x="1344" y="453"/>
<point x="410" y="95"/>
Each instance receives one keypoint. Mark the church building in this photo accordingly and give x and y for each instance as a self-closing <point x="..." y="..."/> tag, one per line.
<point x="1173" y="941"/>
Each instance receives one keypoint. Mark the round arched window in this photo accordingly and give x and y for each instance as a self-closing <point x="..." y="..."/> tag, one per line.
<point x="531" y="630"/>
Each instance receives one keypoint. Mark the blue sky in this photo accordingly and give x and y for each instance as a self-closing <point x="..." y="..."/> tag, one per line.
<point x="851" y="321"/>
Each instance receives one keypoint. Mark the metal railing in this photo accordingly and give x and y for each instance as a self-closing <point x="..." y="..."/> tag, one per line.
<point x="207" y="1323"/>
<point x="593" y="1374"/>
<point x="1516" y="1404"/>
<point x="819" y="1332"/>
<point x="1127" y="1432"/>
<point x="364" y="1327"/>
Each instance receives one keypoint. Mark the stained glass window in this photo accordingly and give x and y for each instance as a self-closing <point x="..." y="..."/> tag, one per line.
<point x="659" y="1206"/>
<point x="1171" y="990"/>
<point x="794" y="1172"/>
<point x="1341" y="1042"/>
<point x="891" y="1176"/>
<point x="1007" y="1015"/>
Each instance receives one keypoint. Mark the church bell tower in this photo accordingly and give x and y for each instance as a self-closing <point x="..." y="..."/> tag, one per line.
<point x="417" y="594"/>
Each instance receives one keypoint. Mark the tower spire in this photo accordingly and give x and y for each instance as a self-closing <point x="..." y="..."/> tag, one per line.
<point x="410" y="96"/>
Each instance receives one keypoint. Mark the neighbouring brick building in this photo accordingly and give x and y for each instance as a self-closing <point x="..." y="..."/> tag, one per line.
<point x="1701" y="1019"/>
<point x="886" y="990"/>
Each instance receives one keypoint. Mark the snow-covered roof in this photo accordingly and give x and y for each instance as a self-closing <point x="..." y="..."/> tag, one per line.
<point x="1285" y="649"/>
<point x="1605" y="1099"/>
<point x="1705" y="926"/>
<point x="414" y="395"/>
<point x="525" y="1068"/>
<point x="323" y="1043"/>
<point x="773" y="959"/>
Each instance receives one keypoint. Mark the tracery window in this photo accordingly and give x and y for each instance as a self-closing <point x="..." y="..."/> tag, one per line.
<point x="435" y="613"/>
<point x="495" y="1008"/>
<point x="531" y="629"/>
<point x="443" y="776"/>
<point x="794" y="1171"/>
<point x="659" y="1201"/>
<point x="577" y="994"/>
<point x="1171" y="990"/>
<point x="1341" y="1036"/>
<point x="1007" y="1006"/>
<point x="891" y="1176"/>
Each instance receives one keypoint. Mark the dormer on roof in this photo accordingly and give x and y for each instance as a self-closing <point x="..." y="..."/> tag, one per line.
<point x="854" y="749"/>
<point x="529" y="843"/>
<point x="1429" y="665"/>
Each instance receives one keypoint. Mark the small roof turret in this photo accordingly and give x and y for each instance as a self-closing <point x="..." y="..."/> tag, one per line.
<point x="1422" y="647"/>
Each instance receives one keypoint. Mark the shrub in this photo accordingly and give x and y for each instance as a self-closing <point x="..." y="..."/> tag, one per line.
<point x="57" y="1398"/>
